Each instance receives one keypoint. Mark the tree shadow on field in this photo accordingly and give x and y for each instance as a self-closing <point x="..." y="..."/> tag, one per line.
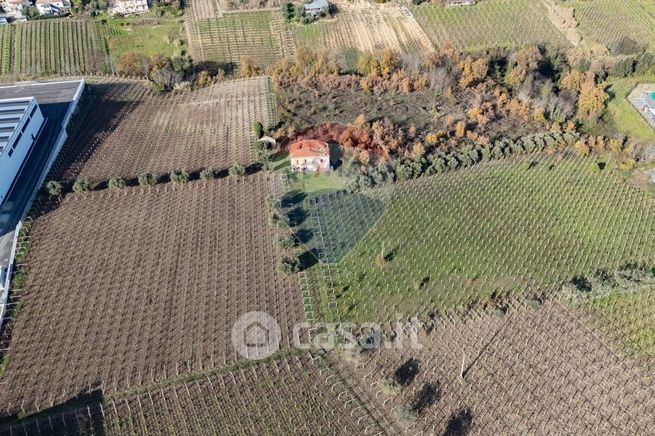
<point x="79" y="415"/>
<point x="429" y="394"/>
<point x="91" y="126"/>
<point x="460" y="423"/>
<point x="406" y="373"/>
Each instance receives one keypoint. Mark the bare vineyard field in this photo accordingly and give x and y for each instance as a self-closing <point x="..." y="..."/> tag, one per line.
<point x="608" y="21"/>
<point x="366" y="29"/>
<point x="491" y="23"/>
<point x="52" y="47"/>
<point x="530" y="371"/>
<point x="259" y="35"/>
<point x="202" y="9"/>
<point x="498" y="228"/>
<point x="139" y="130"/>
<point x="290" y="395"/>
<point x="146" y="287"/>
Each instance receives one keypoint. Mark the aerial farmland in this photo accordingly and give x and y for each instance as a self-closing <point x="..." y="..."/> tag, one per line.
<point x="327" y="217"/>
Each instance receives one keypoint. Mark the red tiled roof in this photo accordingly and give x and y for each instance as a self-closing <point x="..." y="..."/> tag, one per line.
<point x="309" y="148"/>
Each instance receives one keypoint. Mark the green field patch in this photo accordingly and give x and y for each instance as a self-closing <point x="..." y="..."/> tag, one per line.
<point x="142" y="36"/>
<point x="338" y="220"/>
<point x="624" y="116"/>
<point x="490" y="23"/>
<point x="498" y="228"/>
<point x="608" y="21"/>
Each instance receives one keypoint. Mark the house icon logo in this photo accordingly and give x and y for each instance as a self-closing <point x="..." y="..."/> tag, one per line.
<point x="256" y="335"/>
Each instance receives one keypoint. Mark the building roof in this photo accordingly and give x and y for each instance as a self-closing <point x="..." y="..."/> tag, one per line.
<point x="317" y="4"/>
<point x="12" y="111"/>
<point x="309" y="148"/>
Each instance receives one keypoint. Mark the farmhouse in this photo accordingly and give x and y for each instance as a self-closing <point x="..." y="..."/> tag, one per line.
<point x="52" y="7"/>
<point x="128" y="7"/>
<point x="21" y="122"/>
<point x="316" y="8"/>
<point x="309" y="156"/>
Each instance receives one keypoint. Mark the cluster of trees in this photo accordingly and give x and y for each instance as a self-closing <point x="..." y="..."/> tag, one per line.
<point x="603" y="282"/>
<point x="165" y="72"/>
<point x="278" y="218"/>
<point x="366" y="170"/>
<point x="84" y="184"/>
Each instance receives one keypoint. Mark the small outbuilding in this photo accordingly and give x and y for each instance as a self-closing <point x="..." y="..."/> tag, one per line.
<point x="316" y="8"/>
<point x="310" y="155"/>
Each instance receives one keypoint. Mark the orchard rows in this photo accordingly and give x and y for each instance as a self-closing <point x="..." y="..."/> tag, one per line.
<point x="139" y="130"/>
<point x="52" y="47"/>
<point x="259" y="35"/>
<point x="499" y="228"/>
<point x="147" y="287"/>
<point x="530" y="370"/>
<point x="608" y="21"/>
<point x="366" y="29"/>
<point x="492" y="23"/>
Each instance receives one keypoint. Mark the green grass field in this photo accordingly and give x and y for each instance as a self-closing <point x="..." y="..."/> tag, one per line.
<point x="490" y="23"/>
<point x="632" y="317"/>
<point x="624" y="116"/>
<point x="607" y="21"/>
<point x="160" y="36"/>
<point x="502" y="227"/>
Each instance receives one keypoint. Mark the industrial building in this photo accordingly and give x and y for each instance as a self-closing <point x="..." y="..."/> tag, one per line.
<point x="21" y="122"/>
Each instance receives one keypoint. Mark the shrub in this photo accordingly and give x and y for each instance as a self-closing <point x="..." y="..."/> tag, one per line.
<point x="208" y="174"/>
<point x="389" y="386"/>
<point x="82" y="185"/>
<point x="407" y="416"/>
<point x="54" y="188"/>
<point x="117" y="183"/>
<point x="147" y="179"/>
<point x="258" y="129"/>
<point x="273" y="202"/>
<point x="237" y="170"/>
<point x="275" y="219"/>
<point x="285" y="241"/>
<point x="288" y="265"/>
<point x="179" y="176"/>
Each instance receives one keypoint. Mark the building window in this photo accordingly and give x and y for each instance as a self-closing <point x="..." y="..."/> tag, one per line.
<point x="33" y="110"/>
<point x="10" y="152"/>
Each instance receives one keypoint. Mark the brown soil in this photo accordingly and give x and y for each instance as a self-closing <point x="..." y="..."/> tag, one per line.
<point x="130" y="287"/>
<point x="124" y="129"/>
<point x="535" y="371"/>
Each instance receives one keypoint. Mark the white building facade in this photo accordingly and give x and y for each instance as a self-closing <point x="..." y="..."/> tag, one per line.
<point x="128" y="7"/>
<point x="21" y="122"/>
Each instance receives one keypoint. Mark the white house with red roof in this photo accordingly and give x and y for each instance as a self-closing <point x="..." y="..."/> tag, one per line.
<point x="309" y="155"/>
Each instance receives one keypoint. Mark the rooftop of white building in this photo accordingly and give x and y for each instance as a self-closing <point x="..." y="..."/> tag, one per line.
<point x="12" y="111"/>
